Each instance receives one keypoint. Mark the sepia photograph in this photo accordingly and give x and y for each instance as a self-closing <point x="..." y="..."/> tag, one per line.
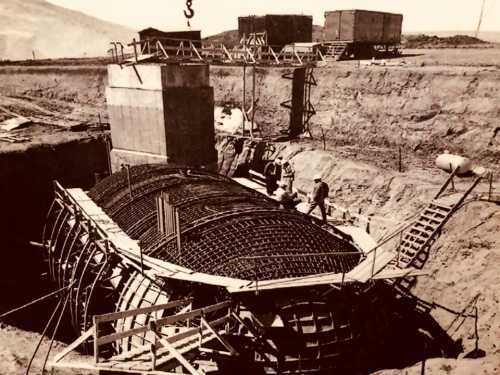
<point x="253" y="187"/>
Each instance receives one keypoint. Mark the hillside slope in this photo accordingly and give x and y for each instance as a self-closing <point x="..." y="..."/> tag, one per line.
<point x="50" y="31"/>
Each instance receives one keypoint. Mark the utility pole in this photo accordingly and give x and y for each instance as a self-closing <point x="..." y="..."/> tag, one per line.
<point x="480" y="19"/>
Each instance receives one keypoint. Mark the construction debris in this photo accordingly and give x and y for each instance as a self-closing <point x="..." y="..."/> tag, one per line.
<point x="14" y="123"/>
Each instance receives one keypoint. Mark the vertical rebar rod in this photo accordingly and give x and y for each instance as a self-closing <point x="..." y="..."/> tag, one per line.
<point x="490" y="190"/>
<point x="244" y="97"/>
<point x="400" y="164"/>
<point x="253" y="101"/>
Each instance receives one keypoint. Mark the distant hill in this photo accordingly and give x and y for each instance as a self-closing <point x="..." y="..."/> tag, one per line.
<point x="51" y="31"/>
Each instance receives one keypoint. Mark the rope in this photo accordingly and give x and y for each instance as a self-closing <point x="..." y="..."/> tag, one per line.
<point x="55" y="332"/>
<point x="42" y="337"/>
<point x="43" y="298"/>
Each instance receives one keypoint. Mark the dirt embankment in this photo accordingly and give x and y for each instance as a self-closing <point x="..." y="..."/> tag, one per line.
<point x="83" y="85"/>
<point x="424" y="110"/>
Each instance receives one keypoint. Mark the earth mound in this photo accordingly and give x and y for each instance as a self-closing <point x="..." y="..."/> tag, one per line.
<point x="434" y="41"/>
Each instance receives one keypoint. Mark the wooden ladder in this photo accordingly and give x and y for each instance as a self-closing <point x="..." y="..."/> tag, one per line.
<point x="336" y="50"/>
<point x="414" y="248"/>
<point x="415" y="245"/>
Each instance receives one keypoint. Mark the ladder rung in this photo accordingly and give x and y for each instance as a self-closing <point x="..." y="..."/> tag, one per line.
<point x="430" y="218"/>
<point x="420" y="238"/>
<point x="441" y="206"/>
<point x="435" y="212"/>
<point x="410" y="244"/>
<point x="425" y="224"/>
<point x="418" y="231"/>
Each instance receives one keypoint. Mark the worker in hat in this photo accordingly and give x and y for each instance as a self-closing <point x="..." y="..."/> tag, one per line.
<point x="272" y="172"/>
<point x="288" y="175"/>
<point x="318" y="196"/>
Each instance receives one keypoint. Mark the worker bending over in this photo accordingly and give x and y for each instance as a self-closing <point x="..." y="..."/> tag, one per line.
<point x="288" y="200"/>
<point x="319" y="194"/>
<point x="272" y="172"/>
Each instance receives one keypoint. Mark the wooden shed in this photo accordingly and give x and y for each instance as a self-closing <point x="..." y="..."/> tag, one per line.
<point x="363" y="26"/>
<point x="280" y="29"/>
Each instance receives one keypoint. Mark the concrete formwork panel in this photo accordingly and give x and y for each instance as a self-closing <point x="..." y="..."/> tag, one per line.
<point x="137" y="120"/>
<point x="189" y="125"/>
<point x="158" y="76"/>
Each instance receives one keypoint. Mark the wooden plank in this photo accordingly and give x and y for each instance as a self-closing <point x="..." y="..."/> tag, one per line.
<point x="92" y="367"/>
<point x="192" y="314"/>
<point x="370" y="268"/>
<point x="75" y="344"/>
<point x="145" y="310"/>
<point x="120" y="335"/>
<point x="224" y="342"/>
<point x="177" y="355"/>
<point x="396" y="274"/>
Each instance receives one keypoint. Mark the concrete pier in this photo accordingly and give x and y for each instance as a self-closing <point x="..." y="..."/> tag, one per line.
<point x="161" y="113"/>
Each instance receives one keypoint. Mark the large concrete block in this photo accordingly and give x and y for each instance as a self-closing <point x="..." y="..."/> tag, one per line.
<point x="167" y="117"/>
<point x="158" y="76"/>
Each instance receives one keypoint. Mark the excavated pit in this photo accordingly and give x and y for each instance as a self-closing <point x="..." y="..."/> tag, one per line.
<point x="26" y="192"/>
<point x="366" y="115"/>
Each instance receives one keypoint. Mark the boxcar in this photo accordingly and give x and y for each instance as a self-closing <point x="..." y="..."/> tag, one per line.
<point x="361" y="31"/>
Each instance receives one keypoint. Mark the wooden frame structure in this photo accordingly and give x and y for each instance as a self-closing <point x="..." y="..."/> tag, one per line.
<point x="249" y="51"/>
<point x="175" y="337"/>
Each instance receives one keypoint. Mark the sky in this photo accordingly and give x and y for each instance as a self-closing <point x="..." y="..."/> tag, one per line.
<point x="213" y="16"/>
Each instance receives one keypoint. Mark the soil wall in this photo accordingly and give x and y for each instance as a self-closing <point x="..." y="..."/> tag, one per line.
<point x="26" y="192"/>
<point x="423" y="109"/>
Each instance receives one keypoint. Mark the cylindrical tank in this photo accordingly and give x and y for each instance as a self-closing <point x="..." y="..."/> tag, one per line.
<point x="221" y="224"/>
<point x="448" y="162"/>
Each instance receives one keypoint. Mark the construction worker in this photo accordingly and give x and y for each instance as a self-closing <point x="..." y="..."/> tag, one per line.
<point x="318" y="196"/>
<point x="272" y="172"/>
<point x="288" y="176"/>
<point x="287" y="200"/>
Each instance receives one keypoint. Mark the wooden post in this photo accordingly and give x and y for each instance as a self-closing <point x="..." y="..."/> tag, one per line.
<point x="200" y="330"/>
<point x="374" y="258"/>
<point x="490" y="190"/>
<point x="135" y="49"/>
<point x="399" y="246"/>
<point x="253" y="101"/>
<point x="96" y="336"/>
<point x="452" y="179"/>
<point x="153" y="327"/>
<point x="127" y="169"/>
